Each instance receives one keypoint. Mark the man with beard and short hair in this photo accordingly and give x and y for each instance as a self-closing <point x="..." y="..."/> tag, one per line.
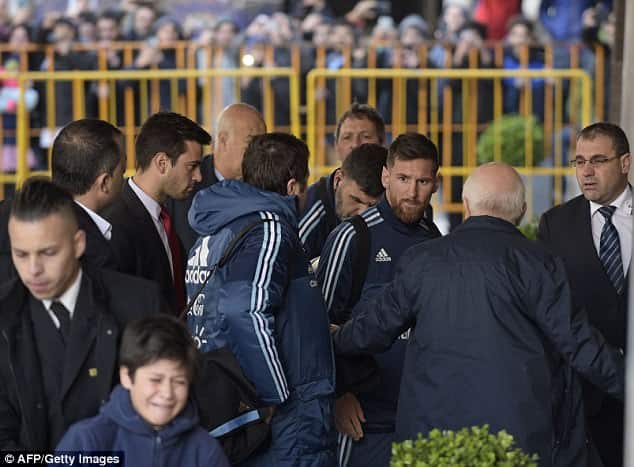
<point x="145" y="243"/>
<point x="366" y="419"/>
<point x="355" y="187"/>
<point x="361" y="124"/>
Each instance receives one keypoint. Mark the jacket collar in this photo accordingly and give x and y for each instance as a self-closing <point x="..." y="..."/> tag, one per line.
<point x="487" y="223"/>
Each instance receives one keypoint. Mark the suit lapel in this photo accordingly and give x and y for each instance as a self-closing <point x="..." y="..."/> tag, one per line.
<point x="147" y="229"/>
<point x="83" y="331"/>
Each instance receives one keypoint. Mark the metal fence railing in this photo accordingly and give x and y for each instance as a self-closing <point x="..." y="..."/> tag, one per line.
<point x="440" y="93"/>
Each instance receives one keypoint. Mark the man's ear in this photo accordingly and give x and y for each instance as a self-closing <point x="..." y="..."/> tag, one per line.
<point x="336" y="180"/>
<point x="219" y="143"/>
<point x="467" y="211"/>
<point x="103" y="183"/>
<point x="79" y="242"/>
<point x="293" y="187"/>
<point x="385" y="177"/>
<point x="161" y="160"/>
<point x="521" y="216"/>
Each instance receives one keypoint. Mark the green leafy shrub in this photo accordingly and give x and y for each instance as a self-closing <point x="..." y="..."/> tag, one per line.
<point x="469" y="447"/>
<point x="510" y="131"/>
<point x="529" y="229"/>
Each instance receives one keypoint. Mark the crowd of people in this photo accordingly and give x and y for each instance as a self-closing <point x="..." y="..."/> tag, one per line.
<point x="216" y="308"/>
<point x="366" y="34"/>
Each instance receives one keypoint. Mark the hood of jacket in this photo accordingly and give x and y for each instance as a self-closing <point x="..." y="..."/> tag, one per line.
<point x="119" y="409"/>
<point x="220" y="204"/>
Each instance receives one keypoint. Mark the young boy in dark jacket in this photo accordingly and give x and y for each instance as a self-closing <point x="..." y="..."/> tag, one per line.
<point x="150" y="416"/>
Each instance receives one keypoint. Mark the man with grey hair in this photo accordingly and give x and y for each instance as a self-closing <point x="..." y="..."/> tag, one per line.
<point x="492" y="324"/>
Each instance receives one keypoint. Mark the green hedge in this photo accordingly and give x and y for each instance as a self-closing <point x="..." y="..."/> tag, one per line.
<point x="510" y="131"/>
<point x="469" y="447"/>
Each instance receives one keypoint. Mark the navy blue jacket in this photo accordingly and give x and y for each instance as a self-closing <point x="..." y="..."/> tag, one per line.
<point x="118" y="427"/>
<point x="319" y="217"/>
<point x="490" y="312"/>
<point x="266" y="306"/>
<point x="389" y="238"/>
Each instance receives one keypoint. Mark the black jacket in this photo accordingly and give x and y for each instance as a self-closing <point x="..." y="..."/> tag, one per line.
<point x="491" y="315"/>
<point x="137" y="246"/>
<point x="107" y="301"/>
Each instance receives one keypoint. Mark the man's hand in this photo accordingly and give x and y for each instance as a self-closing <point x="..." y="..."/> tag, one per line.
<point x="349" y="416"/>
<point x="333" y="328"/>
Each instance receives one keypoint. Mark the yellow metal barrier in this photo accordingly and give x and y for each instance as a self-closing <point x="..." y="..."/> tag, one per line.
<point x="580" y="86"/>
<point x="23" y="131"/>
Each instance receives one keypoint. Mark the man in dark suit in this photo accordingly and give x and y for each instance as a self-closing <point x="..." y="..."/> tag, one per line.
<point x="88" y="161"/>
<point x="60" y="322"/>
<point x="236" y="124"/>
<point x="593" y="235"/>
<point x="144" y="241"/>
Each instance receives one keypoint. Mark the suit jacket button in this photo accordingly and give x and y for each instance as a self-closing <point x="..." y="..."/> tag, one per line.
<point x="109" y="332"/>
<point x="39" y="405"/>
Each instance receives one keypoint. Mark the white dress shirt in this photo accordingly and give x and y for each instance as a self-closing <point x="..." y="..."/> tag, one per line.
<point x="622" y="220"/>
<point x="103" y="225"/>
<point x="154" y="209"/>
<point x="68" y="299"/>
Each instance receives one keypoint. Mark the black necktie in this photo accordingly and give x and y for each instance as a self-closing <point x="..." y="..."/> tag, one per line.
<point x="63" y="316"/>
<point x="610" y="250"/>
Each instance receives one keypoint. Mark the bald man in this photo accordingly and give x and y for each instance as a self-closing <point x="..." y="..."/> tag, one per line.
<point x="235" y="126"/>
<point x="491" y="318"/>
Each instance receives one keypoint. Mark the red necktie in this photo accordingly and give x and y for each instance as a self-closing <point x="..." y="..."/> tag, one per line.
<point x="177" y="260"/>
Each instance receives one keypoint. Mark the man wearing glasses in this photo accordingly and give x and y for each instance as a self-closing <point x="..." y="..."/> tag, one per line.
<point x="593" y="235"/>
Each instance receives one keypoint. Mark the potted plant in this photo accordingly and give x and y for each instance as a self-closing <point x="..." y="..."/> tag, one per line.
<point x="468" y="447"/>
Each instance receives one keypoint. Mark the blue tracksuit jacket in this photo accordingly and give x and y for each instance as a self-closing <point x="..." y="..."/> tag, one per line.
<point x="266" y="306"/>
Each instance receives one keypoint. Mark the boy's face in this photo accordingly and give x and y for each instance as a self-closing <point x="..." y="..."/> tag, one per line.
<point x="158" y="390"/>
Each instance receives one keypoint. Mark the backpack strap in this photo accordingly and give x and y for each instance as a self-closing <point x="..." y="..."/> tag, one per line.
<point x="226" y="255"/>
<point x="360" y="260"/>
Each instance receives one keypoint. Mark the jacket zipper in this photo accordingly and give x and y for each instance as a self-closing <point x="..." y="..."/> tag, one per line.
<point x="12" y="370"/>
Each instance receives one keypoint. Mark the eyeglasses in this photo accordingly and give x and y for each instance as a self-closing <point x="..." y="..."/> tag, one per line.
<point x="596" y="161"/>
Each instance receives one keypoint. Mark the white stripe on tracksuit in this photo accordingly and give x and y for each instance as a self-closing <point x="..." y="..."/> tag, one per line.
<point x="336" y="259"/>
<point x="344" y="449"/>
<point x="339" y="252"/>
<point x="260" y="300"/>
<point x="310" y="220"/>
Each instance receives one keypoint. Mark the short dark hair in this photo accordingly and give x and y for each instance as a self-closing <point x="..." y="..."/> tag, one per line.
<point x="88" y="17"/>
<point x="363" y="112"/>
<point x="411" y="146"/>
<point x="113" y="15"/>
<point x="272" y="159"/>
<point x="364" y="166"/>
<point x="167" y="132"/>
<point x="479" y="28"/>
<point x="39" y="198"/>
<point x="82" y="151"/>
<point x="610" y="130"/>
<point x="157" y="337"/>
<point x="520" y="20"/>
<point x="65" y="21"/>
